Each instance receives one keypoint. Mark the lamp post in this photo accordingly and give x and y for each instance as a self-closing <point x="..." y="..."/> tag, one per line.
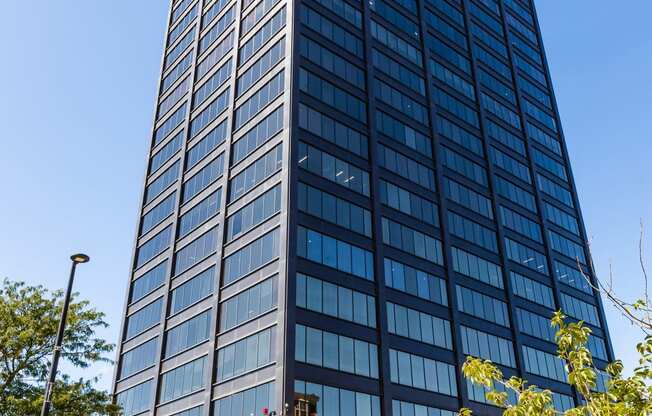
<point x="76" y="259"/>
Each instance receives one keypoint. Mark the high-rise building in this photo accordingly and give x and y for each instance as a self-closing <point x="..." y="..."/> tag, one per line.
<point x="343" y="199"/>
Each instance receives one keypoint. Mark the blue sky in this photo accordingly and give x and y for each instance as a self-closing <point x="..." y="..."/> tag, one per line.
<point x="78" y="96"/>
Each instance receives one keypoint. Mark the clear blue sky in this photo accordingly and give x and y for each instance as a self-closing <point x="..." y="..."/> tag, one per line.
<point x="79" y="80"/>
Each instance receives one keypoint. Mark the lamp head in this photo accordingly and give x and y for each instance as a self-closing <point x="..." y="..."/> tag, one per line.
<point x="80" y="258"/>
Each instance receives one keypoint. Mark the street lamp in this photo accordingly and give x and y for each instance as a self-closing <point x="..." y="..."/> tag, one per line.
<point x="76" y="259"/>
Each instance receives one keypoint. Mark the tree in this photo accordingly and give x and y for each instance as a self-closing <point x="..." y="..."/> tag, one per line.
<point x="627" y="396"/>
<point x="29" y="317"/>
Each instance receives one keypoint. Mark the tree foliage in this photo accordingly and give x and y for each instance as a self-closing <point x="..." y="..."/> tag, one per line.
<point x="29" y="318"/>
<point x="627" y="396"/>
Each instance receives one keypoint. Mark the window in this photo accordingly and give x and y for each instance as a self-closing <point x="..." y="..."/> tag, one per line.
<point x="579" y="309"/>
<point x="534" y="91"/>
<point x="188" y="334"/>
<point x="406" y="167"/>
<point x="179" y="9"/>
<point x="171" y="123"/>
<point x="334" y="210"/>
<point x="597" y="347"/>
<point x="217" y="29"/>
<point x="333" y="169"/>
<point x="511" y="165"/>
<point x="468" y="198"/>
<point x="473" y="232"/>
<point x="166" y="152"/>
<point x="457" y="163"/>
<point x="478" y="393"/>
<point x="138" y="358"/>
<point x="516" y="194"/>
<point x="521" y="224"/>
<point x="572" y="277"/>
<point x="259" y="100"/>
<point x="392" y="15"/>
<point x="331" y="62"/>
<point x="213" y="11"/>
<point x="336" y="301"/>
<point x="333" y="131"/>
<point x="404" y="134"/>
<point x="177" y="72"/>
<point x="485" y="18"/>
<point x="246" y="355"/>
<point x="453" y="80"/>
<point x="411" y="241"/>
<point x="148" y="282"/>
<point x="505" y="137"/>
<point x="330" y="30"/>
<point x="543" y="138"/>
<point x="404" y="278"/>
<point x="492" y="62"/>
<point x="261" y="67"/>
<point x="157" y="214"/>
<point x="247" y="402"/>
<point x="334" y="253"/>
<point x="344" y="10"/>
<point x="162" y="182"/>
<point x="400" y="408"/>
<point x="458" y="135"/>
<point x="248" y="304"/>
<point x="215" y="55"/>
<point x="408" y="203"/>
<point x="544" y="364"/>
<point x="447" y="30"/>
<point x="195" y="411"/>
<point x="332" y="96"/>
<point x="256" y="173"/>
<point x="192" y="291"/>
<point x="557" y="192"/>
<point x="561" y="218"/>
<point x="481" y="306"/>
<point x="256" y="15"/>
<point x="533" y="72"/>
<point x="331" y="401"/>
<point x="154" y="246"/>
<point x="196" y="251"/>
<point x="200" y="213"/>
<point x="251" y="257"/>
<point x="477" y="268"/>
<point x="549" y="164"/>
<point x="212" y="84"/>
<point x="520" y="10"/>
<point x="535" y="325"/>
<point x="265" y="33"/>
<point x="422" y="373"/>
<point x="337" y="352"/>
<point x="456" y="107"/>
<point x="183" y="380"/>
<point x="489" y="40"/>
<point x="497" y="86"/>
<point x="489" y="347"/>
<point x="179" y="48"/>
<point x="526" y="256"/>
<point x="254" y="213"/>
<point x="532" y="290"/>
<point x="567" y="247"/>
<point x="144" y="318"/>
<point x="395" y="43"/>
<point x="210" y="113"/>
<point x="398" y="71"/>
<point x="177" y="94"/>
<point x="257" y="135"/>
<point x="136" y="399"/>
<point x="449" y="54"/>
<point x="419" y="326"/>
<point x="450" y="11"/>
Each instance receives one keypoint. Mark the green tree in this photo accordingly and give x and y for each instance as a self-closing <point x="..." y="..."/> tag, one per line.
<point x="29" y="317"/>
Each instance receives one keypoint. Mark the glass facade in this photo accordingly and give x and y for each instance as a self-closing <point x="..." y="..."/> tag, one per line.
<point x="343" y="200"/>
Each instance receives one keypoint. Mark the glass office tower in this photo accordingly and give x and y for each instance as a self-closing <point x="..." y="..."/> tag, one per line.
<point x="343" y="199"/>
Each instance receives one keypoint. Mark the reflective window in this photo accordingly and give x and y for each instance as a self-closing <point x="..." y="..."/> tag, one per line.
<point x="154" y="246"/>
<point x="411" y="241"/>
<point x="532" y="290"/>
<point x="213" y="11"/>
<point x="143" y="319"/>
<point x="572" y="277"/>
<point x="408" y="203"/>
<point x="476" y="267"/>
<point x="332" y="96"/>
<point x="578" y="309"/>
<point x="261" y="67"/>
<point x="489" y="347"/>
<point x="546" y="162"/>
<point x="333" y="131"/>
<point x="481" y="306"/>
<point x="331" y="401"/>
<point x="567" y="247"/>
<point x="256" y="15"/>
<point x="254" y="213"/>
<point x="247" y="402"/>
<point x="561" y="218"/>
<point x="212" y="84"/>
<point x="544" y="364"/>
<point x="468" y="198"/>
<point x="535" y="325"/>
<point x="398" y="71"/>
<point x="196" y="251"/>
<point x="337" y="301"/>
<point x="210" y="113"/>
<point x="215" y="55"/>
<point x="157" y="214"/>
<point x="331" y="31"/>
<point x="334" y="169"/>
<point x="514" y="193"/>
<point x="393" y="16"/>
<point x="419" y="326"/>
<point x="458" y="135"/>
<point x="248" y="304"/>
<point x="246" y="354"/>
<point x="135" y="400"/>
<point x="179" y="9"/>
<point x="422" y="373"/>
<point x="473" y="232"/>
<point x="331" y="62"/>
<point x="333" y="209"/>
<point x="139" y="358"/>
<point x="453" y="80"/>
<point x="166" y="152"/>
<point x="179" y="48"/>
<point x="177" y="72"/>
<point x="520" y="224"/>
<point x="404" y="134"/>
<point x="543" y="138"/>
<point x="447" y="30"/>
<point x="404" y="278"/>
<point x="557" y="192"/>
<point x="505" y="137"/>
<point x="449" y="54"/>
<point x="217" y="29"/>
<point x="195" y="411"/>
<point x="188" y="334"/>
<point x="395" y="43"/>
<point x="148" y="282"/>
<point x="400" y="408"/>
<point x="265" y="33"/>
<point x="257" y="135"/>
<point x="171" y="123"/>
<point x="192" y="291"/>
<point x="200" y="213"/>
<point x="182" y="380"/>
<point x="526" y="256"/>
<point x="343" y="10"/>
<point x="337" y="352"/>
<point x="259" y="100"/>
<point x="511" y="165"/>
<point x="457" y="107"/>
<point x="162" y="182"/>
<point x="492" y="62"/>
<point x="251" y="257"/>
<point x="406" y="167"/>
<point x="177" y="94"/>
<point x="457" y="163"/>
<point x="256" y="173"/>
<point x="334" y="253"/>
